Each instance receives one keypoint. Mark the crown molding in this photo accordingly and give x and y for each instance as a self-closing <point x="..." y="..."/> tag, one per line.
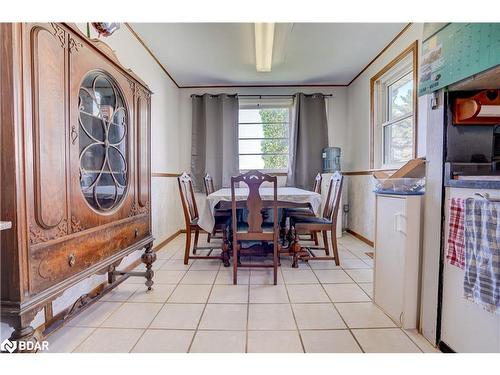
<point x="151" y="54"/>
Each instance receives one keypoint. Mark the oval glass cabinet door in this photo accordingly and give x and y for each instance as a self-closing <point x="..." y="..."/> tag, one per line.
<point x="103" y="149"/>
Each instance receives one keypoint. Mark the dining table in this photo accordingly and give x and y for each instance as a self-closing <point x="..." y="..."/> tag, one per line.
<point x="288" y="197"/>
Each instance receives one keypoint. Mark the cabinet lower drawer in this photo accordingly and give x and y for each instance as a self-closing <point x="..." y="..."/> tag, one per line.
<point x="54" y="261"/>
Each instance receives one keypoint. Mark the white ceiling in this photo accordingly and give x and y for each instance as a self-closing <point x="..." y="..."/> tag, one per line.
<point x="205" y="54"/>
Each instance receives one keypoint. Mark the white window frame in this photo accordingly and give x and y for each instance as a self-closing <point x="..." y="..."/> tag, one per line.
<point x="267" y="104"/>
<point x="397" y="69"/>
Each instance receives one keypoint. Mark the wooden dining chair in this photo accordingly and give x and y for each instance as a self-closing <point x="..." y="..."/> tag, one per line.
<point x="265" y="234"/>
<point x="191" y="217"/>
<point x="306" y="211"/>
<point x="326" y="223"/>
<point x="317" y="183"/>
<point x="208" y="182"/>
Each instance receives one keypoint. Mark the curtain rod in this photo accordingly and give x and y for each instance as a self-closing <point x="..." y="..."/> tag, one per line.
<point x="275" y="95"/>
<point x="264" y="96"/>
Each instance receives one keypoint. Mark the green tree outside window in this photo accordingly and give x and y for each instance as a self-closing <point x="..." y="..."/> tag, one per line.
<point x="275" y="129"/>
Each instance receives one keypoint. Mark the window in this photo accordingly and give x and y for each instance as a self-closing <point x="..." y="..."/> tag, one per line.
<point x="398" y="129"/>
<point x="393" y="112"/>
<point x="263" y="137"/>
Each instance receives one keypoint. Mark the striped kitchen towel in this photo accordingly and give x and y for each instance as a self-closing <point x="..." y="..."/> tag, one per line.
<point x="482" y="253"/>
<point x="456" y="241"/>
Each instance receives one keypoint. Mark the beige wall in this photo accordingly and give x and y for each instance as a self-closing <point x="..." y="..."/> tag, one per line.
<point x="360" y="195"/>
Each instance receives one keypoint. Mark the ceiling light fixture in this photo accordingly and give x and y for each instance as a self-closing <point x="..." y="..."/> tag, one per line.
<point x="264" y="39"/>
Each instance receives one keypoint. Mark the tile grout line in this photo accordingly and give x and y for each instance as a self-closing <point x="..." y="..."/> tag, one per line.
<point x="161" y="308"/>
<point x="248" y="310"/>
<point x="293" y="314"/>
<point x="414" y="343"/>
<point x="337" y="310"/>
<point x="203" y="312"/>
<point x="371" y="298"/>
<point x="127" y="300"/>
<point x="219" y="270"/>
<point x="100" y="325"/>
<point x="94" y="329"/>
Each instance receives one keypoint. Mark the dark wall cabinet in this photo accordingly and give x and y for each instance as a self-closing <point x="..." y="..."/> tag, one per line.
<point x="75" y="148"/>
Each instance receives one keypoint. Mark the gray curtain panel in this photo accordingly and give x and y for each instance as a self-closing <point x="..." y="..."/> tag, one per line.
<point x="214" y="147"/>
<point x="308" y="137"/>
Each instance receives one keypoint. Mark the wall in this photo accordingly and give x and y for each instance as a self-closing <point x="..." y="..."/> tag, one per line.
<point x="166" y="155"/>
<point x="360" y="187"/>
<point x="337" y="111"/>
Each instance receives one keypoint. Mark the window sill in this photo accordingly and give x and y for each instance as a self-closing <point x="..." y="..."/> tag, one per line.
<point x="272" y="172"/>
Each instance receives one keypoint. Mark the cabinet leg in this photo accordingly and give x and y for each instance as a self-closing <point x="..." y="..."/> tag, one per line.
<point x="148" y="258"/>
<point x="25" y="340"/>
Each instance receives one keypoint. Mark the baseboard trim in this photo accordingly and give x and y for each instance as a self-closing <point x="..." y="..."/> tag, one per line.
<point x="168" y="239"/>
<point x="360" y="237"/>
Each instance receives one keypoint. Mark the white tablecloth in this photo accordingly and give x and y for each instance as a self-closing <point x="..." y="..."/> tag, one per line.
<point x="285" y="194"/>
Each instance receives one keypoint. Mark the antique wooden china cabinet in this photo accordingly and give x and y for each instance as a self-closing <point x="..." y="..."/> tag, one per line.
<point x="75" y="167"/>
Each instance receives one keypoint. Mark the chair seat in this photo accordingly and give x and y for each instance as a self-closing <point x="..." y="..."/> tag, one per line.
<point x="298" y="211"/>
<point x="309" y="221"/>
<point x="220" y="221"/>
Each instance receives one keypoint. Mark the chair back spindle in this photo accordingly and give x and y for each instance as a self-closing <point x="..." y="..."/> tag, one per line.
<point x="333" y="197"/>
<point x="317" y="183"/>
<point x="187" y="197"/>
<point x="254" y="179"/>
<point x="208" y="181"/>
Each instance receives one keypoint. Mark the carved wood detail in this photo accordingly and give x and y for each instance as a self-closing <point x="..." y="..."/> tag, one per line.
<point x="138" y="210"/>
<point x="138" y="90"/>
<point x="60" y="33"/>
<point x="62" y="229"/>
<point x="131" y="84"/>
<point x="141" y="92"/>
<point x="74" y="45"/>
<point x="76" y="225"/>
<point x="36" y="235"/>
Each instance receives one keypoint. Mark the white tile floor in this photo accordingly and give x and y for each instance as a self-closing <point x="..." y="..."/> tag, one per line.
<point x="317" y="308"/>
